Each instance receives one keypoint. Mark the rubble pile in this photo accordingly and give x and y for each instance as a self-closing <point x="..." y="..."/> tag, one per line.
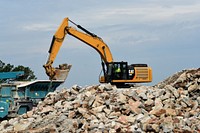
<point x="170" y="106"/>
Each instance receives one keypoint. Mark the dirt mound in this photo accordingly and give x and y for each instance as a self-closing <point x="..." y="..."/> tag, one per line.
<point x="171" y="106"/>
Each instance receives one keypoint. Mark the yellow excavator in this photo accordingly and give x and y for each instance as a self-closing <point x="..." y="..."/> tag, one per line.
<point x="118" y="73"/>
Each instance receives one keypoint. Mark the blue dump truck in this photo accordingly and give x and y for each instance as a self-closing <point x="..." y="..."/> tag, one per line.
<point x="17" y="98"/>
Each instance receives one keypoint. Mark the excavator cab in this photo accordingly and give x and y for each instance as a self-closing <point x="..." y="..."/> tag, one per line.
<point x="119" y="71"/>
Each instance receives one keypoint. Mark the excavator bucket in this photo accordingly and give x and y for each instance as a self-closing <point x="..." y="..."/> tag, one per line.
<point x="61" y="73"/>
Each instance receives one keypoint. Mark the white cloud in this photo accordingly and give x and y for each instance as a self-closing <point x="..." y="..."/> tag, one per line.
<point x="39" y="27"/>
<point x="147" y="13"/>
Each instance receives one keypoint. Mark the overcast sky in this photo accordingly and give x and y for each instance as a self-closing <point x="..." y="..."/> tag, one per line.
<point x="165" y="34"/>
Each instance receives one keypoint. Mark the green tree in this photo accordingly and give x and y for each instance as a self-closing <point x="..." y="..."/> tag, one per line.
<point x="28" y="73"/>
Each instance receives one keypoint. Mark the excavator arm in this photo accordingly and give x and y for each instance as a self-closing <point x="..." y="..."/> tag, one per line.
<point x="89" y="38"/>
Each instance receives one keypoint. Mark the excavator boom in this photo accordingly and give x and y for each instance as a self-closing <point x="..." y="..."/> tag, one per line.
<point x="88" y="38"/>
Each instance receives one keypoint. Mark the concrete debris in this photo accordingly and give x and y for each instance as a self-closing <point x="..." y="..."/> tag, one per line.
<point x="170" y="106"/>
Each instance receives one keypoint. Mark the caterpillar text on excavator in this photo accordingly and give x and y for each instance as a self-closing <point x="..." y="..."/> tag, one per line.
<point x="118" y="73"/>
